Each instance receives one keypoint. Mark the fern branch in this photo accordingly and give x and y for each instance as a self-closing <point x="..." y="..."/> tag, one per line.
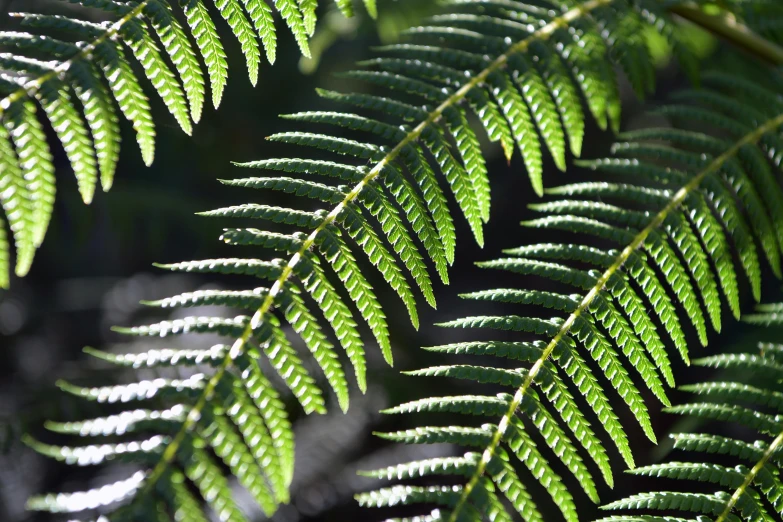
<point x="36" y="83"/>
<point x="750" y="399"/>
<point x="638" y="240"/>
<point x="238" y="346"/>
<point x="750" y="477"/>
<point x="728" y="27"/>
<point x="91" y="66"/>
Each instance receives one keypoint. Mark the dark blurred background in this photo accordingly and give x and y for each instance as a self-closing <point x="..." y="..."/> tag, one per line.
<point x="95" y="267"/>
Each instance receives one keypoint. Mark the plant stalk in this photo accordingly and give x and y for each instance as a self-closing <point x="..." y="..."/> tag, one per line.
<point x="728" y="28"/>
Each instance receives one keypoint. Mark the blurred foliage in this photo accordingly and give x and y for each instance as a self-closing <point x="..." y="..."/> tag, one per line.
<point x="394" y="16"/>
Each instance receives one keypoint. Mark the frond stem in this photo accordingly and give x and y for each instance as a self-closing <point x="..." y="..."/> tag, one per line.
<point x="620" y="260"/>
<point x="37" y="83"/>
<point x="751" y="476"/>
<point x="237" y="348"/>
<point x="728" y="27"/>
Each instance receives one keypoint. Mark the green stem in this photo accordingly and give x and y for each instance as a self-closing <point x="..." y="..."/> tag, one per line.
<point x="727" y="27"/>
<point x="750" y="477"/>
<point x="587" y="300"/>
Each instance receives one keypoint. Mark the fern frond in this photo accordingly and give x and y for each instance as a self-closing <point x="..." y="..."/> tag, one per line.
<point x="752" y="489"/>
<point x="676" y="221"/>
<point x="385" y="178"/>
<point x="93" y="65"/>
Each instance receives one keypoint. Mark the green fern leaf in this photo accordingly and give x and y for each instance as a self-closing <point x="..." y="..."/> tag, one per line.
<point x="293" y="18"/>
<point x="147" y="53"/>
<point x="17" y="202"/>
<point x="36" y="163"/>
<point x="204" y="472"/>
<point x="261" y="15"/>
<point x="177" y="45"/>
<point x="91" y="65"/>
<point x="232" y="12"/>
<point x="101" y="118"/>
<point x="210" y="47"/>
<point x="222" y="436"/>
<point x="339" y="316"/>
<point x="308" y="14"/>
<point x="181" y="499"/>
<point x="337" y="253"/>
<point x="743" y="488"/>
<point x="76" y="139"/>
<point x="539" y="467"/>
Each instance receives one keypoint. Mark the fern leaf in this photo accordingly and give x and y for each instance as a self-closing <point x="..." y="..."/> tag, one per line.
<point x="268" y="403"/>
<point x="565" y="96"/>
<point x="372" y="8"/>
<point x="181" y="499"/>
<point x="210" y="47"/>
<point x="17" y="202"/>
<point x="544" y="111"/>
<point x="201" y="469"/>
<point x="709" y="229"/>
<point x="339" y="316"/>
<point x="411" y="156"/>
<point x="522" y="128"/>
<point x="539" y="467"/>
<point x="339" y="256"/>
<point x="397" y="235"/>
<point x="36" y="163"/>
<point x="437" y="466"/>
<point x="306" y="325"/>
<point x="224" y="439"/>
<point x="90" y="64"/>
<point x="91" y="499"/>
<point x="77" y="140"/>
<point x="166" y="84"/>
<point x="744" y="487"/>
<point x="102" y="120"/>
<point x="232" y="12"/>
<point x="295" y="21"/>
<point x="509" y="483"/>
<point x="177" y="45"/>
<point x="308" y="14"/>
<point x="261" y="15"/>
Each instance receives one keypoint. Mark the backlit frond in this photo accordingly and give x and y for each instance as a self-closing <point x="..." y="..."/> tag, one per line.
<point x="746" y="394"/>
<point x="673" y="207"/>
<point x="85" y="78"/>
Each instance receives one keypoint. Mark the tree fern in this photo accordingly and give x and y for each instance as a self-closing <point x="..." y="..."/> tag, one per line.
<point x="92" y="62"/>
<point x="678" y="204"/>
<point x="391" y="201"/>
<point x="750" y="399"/>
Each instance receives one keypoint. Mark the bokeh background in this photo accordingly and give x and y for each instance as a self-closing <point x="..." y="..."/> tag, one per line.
<point x="96" y="265"/>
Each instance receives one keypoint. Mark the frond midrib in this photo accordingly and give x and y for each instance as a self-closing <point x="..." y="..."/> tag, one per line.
<point x="776" y="444"/>
<point x="36" y="83"/>
<point x="677" y="199"/>
<point x="433" y="116"/>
